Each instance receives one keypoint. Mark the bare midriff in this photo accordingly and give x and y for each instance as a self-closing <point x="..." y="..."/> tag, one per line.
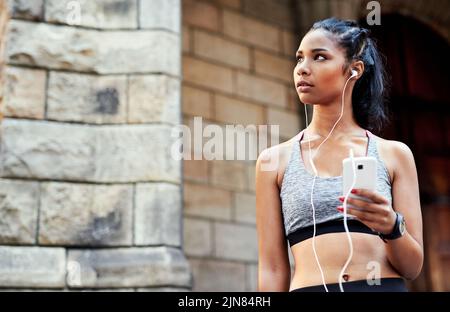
<point x="369" y="260"/>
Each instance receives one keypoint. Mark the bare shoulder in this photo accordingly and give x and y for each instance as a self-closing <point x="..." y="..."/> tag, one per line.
<point x="395" y="154"/>
<point x="273" y="160"/>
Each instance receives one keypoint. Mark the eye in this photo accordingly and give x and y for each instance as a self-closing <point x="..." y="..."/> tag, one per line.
<point x="320" y="55"/>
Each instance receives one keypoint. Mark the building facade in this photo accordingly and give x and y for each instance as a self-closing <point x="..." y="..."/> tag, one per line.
<point x="91" y="195"/>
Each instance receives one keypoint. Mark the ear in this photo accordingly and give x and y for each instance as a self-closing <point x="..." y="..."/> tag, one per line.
<point x="359" y="67"/>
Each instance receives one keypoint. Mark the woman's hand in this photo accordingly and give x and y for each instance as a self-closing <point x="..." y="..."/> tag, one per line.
<point x="377" y="215"/>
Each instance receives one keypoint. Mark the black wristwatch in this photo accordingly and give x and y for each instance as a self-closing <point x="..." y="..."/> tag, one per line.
<point x="398" y="231"/>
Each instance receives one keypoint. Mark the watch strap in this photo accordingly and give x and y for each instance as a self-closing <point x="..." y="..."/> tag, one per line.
<point x="396" y="233"/>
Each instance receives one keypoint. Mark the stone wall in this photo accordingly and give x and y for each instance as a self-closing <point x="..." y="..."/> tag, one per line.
<point x="90" y="195"/>
<point x="238" y="58"/>
<point x="3" y="22"/>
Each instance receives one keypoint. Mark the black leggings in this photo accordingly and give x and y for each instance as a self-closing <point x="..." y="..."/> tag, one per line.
<point x="388" y="284"/>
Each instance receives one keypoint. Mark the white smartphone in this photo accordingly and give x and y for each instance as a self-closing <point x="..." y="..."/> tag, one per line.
<point x="366" y="175"/>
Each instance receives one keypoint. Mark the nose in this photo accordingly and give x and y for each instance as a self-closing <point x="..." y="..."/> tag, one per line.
<point x="303" y="69"/>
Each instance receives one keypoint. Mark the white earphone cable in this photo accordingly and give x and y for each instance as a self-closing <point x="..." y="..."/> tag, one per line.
<point x="314" y="213"/>
<point x="312" y="191"/>
<point x="345" y="223"/>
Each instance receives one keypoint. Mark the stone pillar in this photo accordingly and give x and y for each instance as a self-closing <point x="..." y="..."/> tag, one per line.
<point x="3" y="22"/>
<point x="90" y="195"/>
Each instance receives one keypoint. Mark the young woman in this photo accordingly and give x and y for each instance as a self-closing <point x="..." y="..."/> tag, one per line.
<point x="385" y="252"/>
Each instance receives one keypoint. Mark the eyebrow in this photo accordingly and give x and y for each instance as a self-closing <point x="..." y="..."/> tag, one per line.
<point x="313" y="50"/>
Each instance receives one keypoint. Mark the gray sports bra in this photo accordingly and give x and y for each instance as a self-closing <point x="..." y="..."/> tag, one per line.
<point x="295" y="197"/>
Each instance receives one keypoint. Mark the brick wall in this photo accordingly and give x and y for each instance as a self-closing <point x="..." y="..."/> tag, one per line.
<point x="430" y="12"/>
<point x="238" y="58"/>
<point x="91" y="197"/>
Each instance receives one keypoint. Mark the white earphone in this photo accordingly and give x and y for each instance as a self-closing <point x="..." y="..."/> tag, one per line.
<point x="354" y="74"/>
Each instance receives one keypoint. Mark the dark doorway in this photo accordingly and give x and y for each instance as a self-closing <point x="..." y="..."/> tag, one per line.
<point x="418" y="63"/>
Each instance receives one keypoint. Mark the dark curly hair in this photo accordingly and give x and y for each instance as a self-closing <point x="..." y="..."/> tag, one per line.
<point x="370" y="90"/>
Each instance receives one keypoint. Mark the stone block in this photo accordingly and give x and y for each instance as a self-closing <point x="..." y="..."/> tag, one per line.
<point x="19" y="204"/>
<point x="39" y="267"/>
<point x="104" y="14"/>
<point x="25" y="93"/>
<point x="88" y="50"/>
<point x="154" y="98"/>
<point x="87" y="98"/>
<point x="157" y="215"/>
<point x="128" y="267"/>
<point x="85" y="214"/>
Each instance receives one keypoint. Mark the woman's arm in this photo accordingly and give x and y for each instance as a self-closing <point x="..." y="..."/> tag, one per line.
<point x="406" y="252"/>
<point x="273" y="260"/>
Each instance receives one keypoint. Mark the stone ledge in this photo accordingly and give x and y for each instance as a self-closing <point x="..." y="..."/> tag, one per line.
<point x="128" y="267"/>
<point x="32" y="267"/>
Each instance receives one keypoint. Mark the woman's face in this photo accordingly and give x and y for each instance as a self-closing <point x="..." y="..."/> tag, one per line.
<point x="320" y="63"/>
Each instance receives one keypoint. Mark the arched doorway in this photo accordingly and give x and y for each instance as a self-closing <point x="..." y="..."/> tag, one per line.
<point x="420" y="104"/>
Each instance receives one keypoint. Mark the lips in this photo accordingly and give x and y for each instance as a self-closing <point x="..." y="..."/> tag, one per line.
<point x="304" y="83"/>
<point x="303" y="86"/>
